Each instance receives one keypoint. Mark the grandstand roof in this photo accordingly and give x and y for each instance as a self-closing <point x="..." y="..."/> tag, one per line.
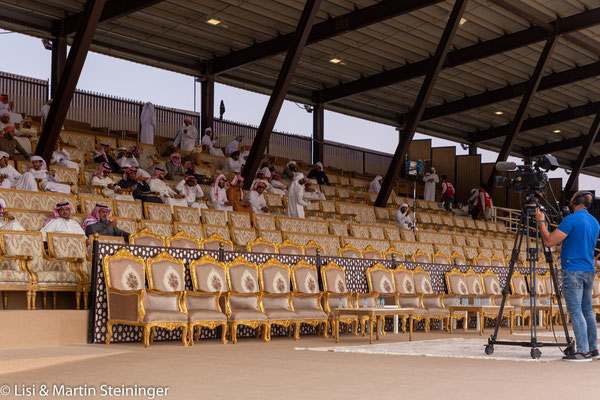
<point x="495" y="51"/>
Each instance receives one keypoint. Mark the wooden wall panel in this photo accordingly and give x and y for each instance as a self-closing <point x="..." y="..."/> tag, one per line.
<point x="468" y="173"/>
<point x="498" y="193"/>
<point x="420" y="150"/>
<point x="443" y="159"/>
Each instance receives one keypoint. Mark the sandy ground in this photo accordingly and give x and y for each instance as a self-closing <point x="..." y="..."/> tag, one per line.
<point x="253" y="369"/>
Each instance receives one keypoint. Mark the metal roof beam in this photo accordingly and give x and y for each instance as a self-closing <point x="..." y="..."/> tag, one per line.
<point x="589" y="139"/>
<point x="431" y="76"/>
<point x="462" y="56"/>
<point x="113" y="9"/>
<point x="511" y="91"/>
<point x="538" y="122"/>
<point x="517" y="122"/>
<point x="284" y="79"/>
<point x="324" y="30"/>
<point x="592" y="161"/>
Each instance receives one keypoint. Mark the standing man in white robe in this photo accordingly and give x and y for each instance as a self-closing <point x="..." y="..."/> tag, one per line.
<point x="209" y="140"/>
<point x="148" y="122"/>
<point x="375" y="185"/>
<point x="187" y="137"/>
<point x="234" y="145"/>
<point x="61" y="222"/>
<point x="49" y="181"/>
<point x="169" y="196"/>
<point x="192" y="191"/>
<point x="401" y="218"/>
<point x="217" y="196"/>
<point x="430" y="179"/>
<point x="13" y="178"/>
<point x="296" y="202"/>
<point x="45" y="110"/>
<point x="256" y="199"/>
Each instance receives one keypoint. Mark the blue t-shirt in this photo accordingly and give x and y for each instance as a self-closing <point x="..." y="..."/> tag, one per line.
<point x="578" y="247"/>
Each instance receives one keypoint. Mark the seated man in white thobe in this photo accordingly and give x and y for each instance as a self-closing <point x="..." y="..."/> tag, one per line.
<point x="208" y="140"/>
<point x="129" y="160"/>
<point x="4" y="103"/>
<point x="62" y="158"/>
<point x="111" y="189"/>
<point x="401" y="218"/>
<point x="169" y="196"/>
<point x="12" y="178"/>
<point x="296" y="202"/>
<point x="277" y="183"/>
<point x="187" y="137"/>
<point x="234" y="145"/>
<point x="311" y="192"/>
<point x="233" y="163"/>
<point x="49" y="181"/>
<point x="61" y="222"/>
<point x="256" y="199"/>
<point x="189" y="187"/>
<point x="375" y="185"/>
<point x="7" y="221"/>
<point x="6" y="125"/>
<point x="217" y="196"/>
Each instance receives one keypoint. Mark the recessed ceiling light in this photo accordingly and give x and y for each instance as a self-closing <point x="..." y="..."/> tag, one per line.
<point x="499" y="112"/>
<point x="335" y="60"/>
<point x="462" y="21"/>
<point x="213" y="21"/>
<point x="556" y="131"/>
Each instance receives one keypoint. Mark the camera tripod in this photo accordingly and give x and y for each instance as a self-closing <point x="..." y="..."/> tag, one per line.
<point x="528" y="215"/>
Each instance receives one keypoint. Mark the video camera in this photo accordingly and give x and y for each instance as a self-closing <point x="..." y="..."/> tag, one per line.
<point x="531" y="178"/>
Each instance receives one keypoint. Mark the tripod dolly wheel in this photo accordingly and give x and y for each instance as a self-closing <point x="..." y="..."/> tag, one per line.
<point x="536" y="353"/>
<point x="489" y="349"/>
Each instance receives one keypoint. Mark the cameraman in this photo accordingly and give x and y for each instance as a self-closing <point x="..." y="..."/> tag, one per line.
<point x="578" y="233"/>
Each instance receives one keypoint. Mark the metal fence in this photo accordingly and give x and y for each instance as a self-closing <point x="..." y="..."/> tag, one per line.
<point x="116" y="113"/>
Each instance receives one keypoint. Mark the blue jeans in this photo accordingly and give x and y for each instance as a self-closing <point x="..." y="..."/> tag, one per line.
<point x="577" y="290"/>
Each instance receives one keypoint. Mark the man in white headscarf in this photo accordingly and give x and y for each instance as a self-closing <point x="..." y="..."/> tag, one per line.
<point x="62" y="158"/>
<point x="256" y="199"/>
<point x="4" y="103"/>
<point x="375" y="185"/>
<point x="169" y="196"/>
<point x="401" y="218"/>
<point x="430" y="179"/>
<point x="192" y="191"/>
<point x="187" y="137"/>
<point x="234" y="145"/>
<point x="233" y="163"/>
<point x="217" y="196"/>
<point x="296" y="202"/>
<point x="45" y="110"/>
<point x="49" y="181"/>
<point x="13" y="178"/>
<point x="148" y="122"/>
<point x="61" y="222"/>
<point x="311" y="192"/>
<point x="208" y="140"/>
<point x="129" y="160"/>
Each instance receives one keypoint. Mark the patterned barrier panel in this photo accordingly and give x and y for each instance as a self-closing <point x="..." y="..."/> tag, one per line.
<point x="356" y="281"/>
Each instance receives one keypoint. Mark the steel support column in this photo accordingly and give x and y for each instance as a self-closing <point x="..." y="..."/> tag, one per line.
<point x="59" y="58"/>
<point x="433" y="71"/>
<point x="207" y="103"/>
<point x="280" y="91"/>
<point x="515" y="126"/>
<point x="473" y="149"/>
<point x="590" y="138"/>
<point x="318" y="132"/>
<point x="69" y="78"/>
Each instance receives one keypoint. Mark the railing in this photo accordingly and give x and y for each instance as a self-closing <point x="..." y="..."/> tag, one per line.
<point x="28" y="94"/>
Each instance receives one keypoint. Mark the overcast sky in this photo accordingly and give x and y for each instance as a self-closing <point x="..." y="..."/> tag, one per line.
<point x="112" y="76"/>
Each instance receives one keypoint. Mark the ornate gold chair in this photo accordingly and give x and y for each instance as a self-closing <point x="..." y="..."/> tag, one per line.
<point x="458" y="259"/>
<point x="496" y="261"/>
<point x="518" y="288"/>
<point x="420" y="257"/>
<point x="216" y="241"/>
<point x="382" y="284"/>
<point x="260" y="245"/>
<point x="182" y="240"/>
<point x="336" y="294"/>
<point x="188" y="215"/>
<point x="350" y="251"/>
<point x="371" y="253"/>
<point x="289" y="247"/>
<point x="129" y="303"/>
<point x="146" y="237"/>
<point x="277" y="298"/>
<point x="393" y="254"/>
<point x="307" y="297"/>
<point x="311" y="248"/>
<point x="482" y="261"/>
<point x="244" y="300"/>
<point x="441" y="258"/>
<point x="71" y="248"/>
<point x="209" y="280"/>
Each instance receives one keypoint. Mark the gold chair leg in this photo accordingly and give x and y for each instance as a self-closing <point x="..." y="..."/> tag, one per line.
<point x="296" y="330"/>
<point x="466" y="322"/>
<point x="33" y="297"/>
<point x="223" y="333"/>
<point x="86" y="301"/>
<point x="44" y="300"/>
<point x="267" y="335"/>
<point x="184" y="334"/>
<point x="29" y="300"/>
<point x="233" y="332"/>
<point x="404" y="319"/>
<point x="109" y="334"/>
<point x="198" y="331"/>
<point x="191" y="334"/>
<point x="78" y="300"/>
<point x="147" y="331"/>
<point x="258" y="332"/>
<point x="152" y="333"/>
<point x="5" y="300"/>
<point x="325" y="328"/>
<point x="363" y="327"/>
<point x="54" y="300"/>
<point x="427" y="322"/>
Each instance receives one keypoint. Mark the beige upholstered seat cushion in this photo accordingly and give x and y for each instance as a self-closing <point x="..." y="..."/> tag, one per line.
<point x="164" y="316"/>
<point x="12" y="277"/>
<point x="309" y="313"/>
<point x="56" y="278"/>
<point x="281" y="314"/>
<point x="206" y="315"/>
<point x="276" y="303"/>
<point x="247" y="315"/>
